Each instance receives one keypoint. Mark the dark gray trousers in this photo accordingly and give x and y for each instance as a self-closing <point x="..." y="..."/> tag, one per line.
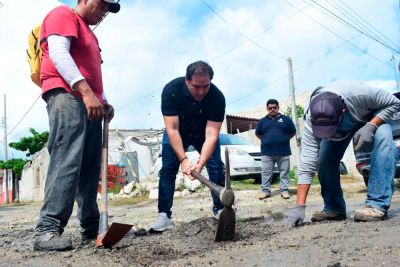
<point x="74" y="146"/>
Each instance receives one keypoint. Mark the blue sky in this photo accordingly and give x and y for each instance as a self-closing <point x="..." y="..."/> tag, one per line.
<point x="247" y="43"/>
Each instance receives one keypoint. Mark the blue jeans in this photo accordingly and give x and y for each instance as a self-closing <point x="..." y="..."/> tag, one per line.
<point x="74" y="146"/>
<point x="170" y="167"/>
<point x="383" y="167"/>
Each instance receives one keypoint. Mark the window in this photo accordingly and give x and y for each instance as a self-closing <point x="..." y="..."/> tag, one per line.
<point x="230" y="139"/>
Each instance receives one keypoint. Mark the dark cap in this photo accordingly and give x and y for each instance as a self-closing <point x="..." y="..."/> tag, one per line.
<point x="114" y="6"/>
<point x="326" y="110"/>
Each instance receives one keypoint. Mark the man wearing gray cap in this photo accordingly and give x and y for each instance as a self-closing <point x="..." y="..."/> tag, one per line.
<point x="337" y="112"/>
<point x="72" y="86"/>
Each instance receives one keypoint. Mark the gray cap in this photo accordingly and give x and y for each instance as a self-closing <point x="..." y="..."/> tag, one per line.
<point x="326" y="110"/>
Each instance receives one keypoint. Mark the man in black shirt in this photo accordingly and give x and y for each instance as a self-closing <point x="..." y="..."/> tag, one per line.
<point x="193" y="110"/>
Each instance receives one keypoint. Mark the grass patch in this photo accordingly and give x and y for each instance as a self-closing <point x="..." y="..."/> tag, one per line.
<point x="293" y="178"/>
<point x="247" y="184"/>
<point x="129" y="201"/>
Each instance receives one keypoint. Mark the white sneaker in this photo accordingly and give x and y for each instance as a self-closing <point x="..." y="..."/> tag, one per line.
<point x="217" y="215"/>
<point x="162" y="223"/>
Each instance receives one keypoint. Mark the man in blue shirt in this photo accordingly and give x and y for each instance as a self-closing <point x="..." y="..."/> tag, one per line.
<point x="275" y="131"/>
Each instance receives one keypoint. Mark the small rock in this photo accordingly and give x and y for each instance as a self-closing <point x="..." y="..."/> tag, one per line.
<point x="153" y="194"/>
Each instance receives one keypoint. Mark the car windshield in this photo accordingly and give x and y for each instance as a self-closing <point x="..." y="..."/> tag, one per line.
<point x="229" y="139"/>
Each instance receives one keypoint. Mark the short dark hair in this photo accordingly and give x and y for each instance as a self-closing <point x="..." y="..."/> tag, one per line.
<point x="199" y="68"/>
<point x="272" y="101"/>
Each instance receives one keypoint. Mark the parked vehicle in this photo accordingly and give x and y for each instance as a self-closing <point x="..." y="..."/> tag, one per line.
<point x="363" y="158"/>
<point x="244" y="156"/>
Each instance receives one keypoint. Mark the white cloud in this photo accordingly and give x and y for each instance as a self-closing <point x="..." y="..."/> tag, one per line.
<point x="151" y="42"/>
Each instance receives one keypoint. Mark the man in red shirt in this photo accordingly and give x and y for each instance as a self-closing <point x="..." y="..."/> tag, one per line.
<point x="73" y="90"/>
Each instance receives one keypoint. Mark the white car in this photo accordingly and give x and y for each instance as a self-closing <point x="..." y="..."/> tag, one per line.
<point x="245" y="157"/>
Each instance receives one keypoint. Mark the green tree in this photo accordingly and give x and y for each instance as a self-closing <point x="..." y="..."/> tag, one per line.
<point x="15" y="164"/>
<point x="33" y="143"/>
<point x="299" y="111"/>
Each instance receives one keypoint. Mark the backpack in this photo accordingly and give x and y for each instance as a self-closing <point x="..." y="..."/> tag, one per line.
<point x="34" y="53"/>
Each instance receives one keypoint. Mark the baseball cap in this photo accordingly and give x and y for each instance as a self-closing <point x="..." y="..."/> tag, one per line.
<point x="326" y="110"/>
<point x="114" y="6"/>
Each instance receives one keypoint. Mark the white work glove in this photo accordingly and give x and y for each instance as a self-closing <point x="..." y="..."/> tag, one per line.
<point x="364" y="137"/>
<point x="296" y="215"/>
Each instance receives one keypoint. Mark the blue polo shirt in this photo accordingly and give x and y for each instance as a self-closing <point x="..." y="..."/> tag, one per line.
<point x="275" y="135"/>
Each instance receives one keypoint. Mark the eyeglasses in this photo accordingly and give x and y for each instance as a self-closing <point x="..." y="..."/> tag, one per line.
<point x="272" y="108"/>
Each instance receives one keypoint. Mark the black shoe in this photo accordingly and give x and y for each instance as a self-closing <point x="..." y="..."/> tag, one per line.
<point x="88" y="239"/>
<point x="51" y="242"/>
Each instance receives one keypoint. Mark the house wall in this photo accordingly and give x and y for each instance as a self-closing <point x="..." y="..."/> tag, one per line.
<point x="31" y="186"/>
<point x="33" y="178"/>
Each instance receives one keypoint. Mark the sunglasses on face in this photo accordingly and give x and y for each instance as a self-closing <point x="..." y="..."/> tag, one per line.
<point x="272" y="108"/>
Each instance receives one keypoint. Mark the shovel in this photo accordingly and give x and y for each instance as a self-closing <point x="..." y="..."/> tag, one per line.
<point x="108" y="237"/>
<point x="227" y="219"/>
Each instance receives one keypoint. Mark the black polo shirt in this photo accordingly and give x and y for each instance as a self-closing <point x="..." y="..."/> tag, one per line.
<point x="176" y="100"/>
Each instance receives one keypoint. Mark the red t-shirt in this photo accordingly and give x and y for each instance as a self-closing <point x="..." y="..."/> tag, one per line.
<point x="84" y="50"/>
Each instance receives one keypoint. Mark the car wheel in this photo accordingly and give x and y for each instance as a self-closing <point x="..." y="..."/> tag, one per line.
<point x="257" y="179"/>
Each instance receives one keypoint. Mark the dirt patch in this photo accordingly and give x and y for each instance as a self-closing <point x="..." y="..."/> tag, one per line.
<point x="261" y="239"/>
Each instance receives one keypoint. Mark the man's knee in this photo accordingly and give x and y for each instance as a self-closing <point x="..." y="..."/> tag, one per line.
<point x="384" y="134"/>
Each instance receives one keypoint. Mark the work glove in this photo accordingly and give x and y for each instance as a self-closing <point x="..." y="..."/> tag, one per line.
<point x="296" y="216"/>
<point x="364" y="137"/>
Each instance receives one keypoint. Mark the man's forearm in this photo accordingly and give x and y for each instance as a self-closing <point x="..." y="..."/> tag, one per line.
<point x="302" y="192"/>
<point x="176" y="143"/>
<point x="207" y="150"/>
<point x="376" y="121"/>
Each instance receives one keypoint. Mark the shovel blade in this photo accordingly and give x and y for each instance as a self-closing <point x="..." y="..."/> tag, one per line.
<point x="115" y="233"/>
<point x="226" y="225"/>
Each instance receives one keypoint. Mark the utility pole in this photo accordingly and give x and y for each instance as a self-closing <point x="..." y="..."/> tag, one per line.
<point x="5" y="172"/>
<point x="395" y="73"/>
<point x="294" y="115"/>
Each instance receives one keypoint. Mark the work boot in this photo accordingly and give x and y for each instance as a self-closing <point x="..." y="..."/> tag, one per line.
<point x="369" y="214"/>
<point x="263" y="195"/>
<point x="328" y="216"/>
<point x="51" y="242"/>
<point x="285" y="195"/>
<point x="162" y="223"/>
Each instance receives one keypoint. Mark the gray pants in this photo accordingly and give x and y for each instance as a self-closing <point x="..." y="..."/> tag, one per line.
<point x="267" y="169"/>
<point x="74" y="146"/>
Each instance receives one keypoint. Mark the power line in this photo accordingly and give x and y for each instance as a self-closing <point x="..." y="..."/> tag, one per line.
<point x="260" y="33"/>
<point x="295" y="70"/>
<point x="344" y="22"/>
<point x="138" y="99"/>
<point x="226" y="52"/>
<point x="23" y="117"/>
<point x="241" y="34"/>
<point x="366" y="21"/>
<point x="336" y="34"/>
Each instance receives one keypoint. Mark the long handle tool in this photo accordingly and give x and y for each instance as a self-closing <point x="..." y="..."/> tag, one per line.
<point x="227" y="219"/>
<point x="108" y="237"/>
